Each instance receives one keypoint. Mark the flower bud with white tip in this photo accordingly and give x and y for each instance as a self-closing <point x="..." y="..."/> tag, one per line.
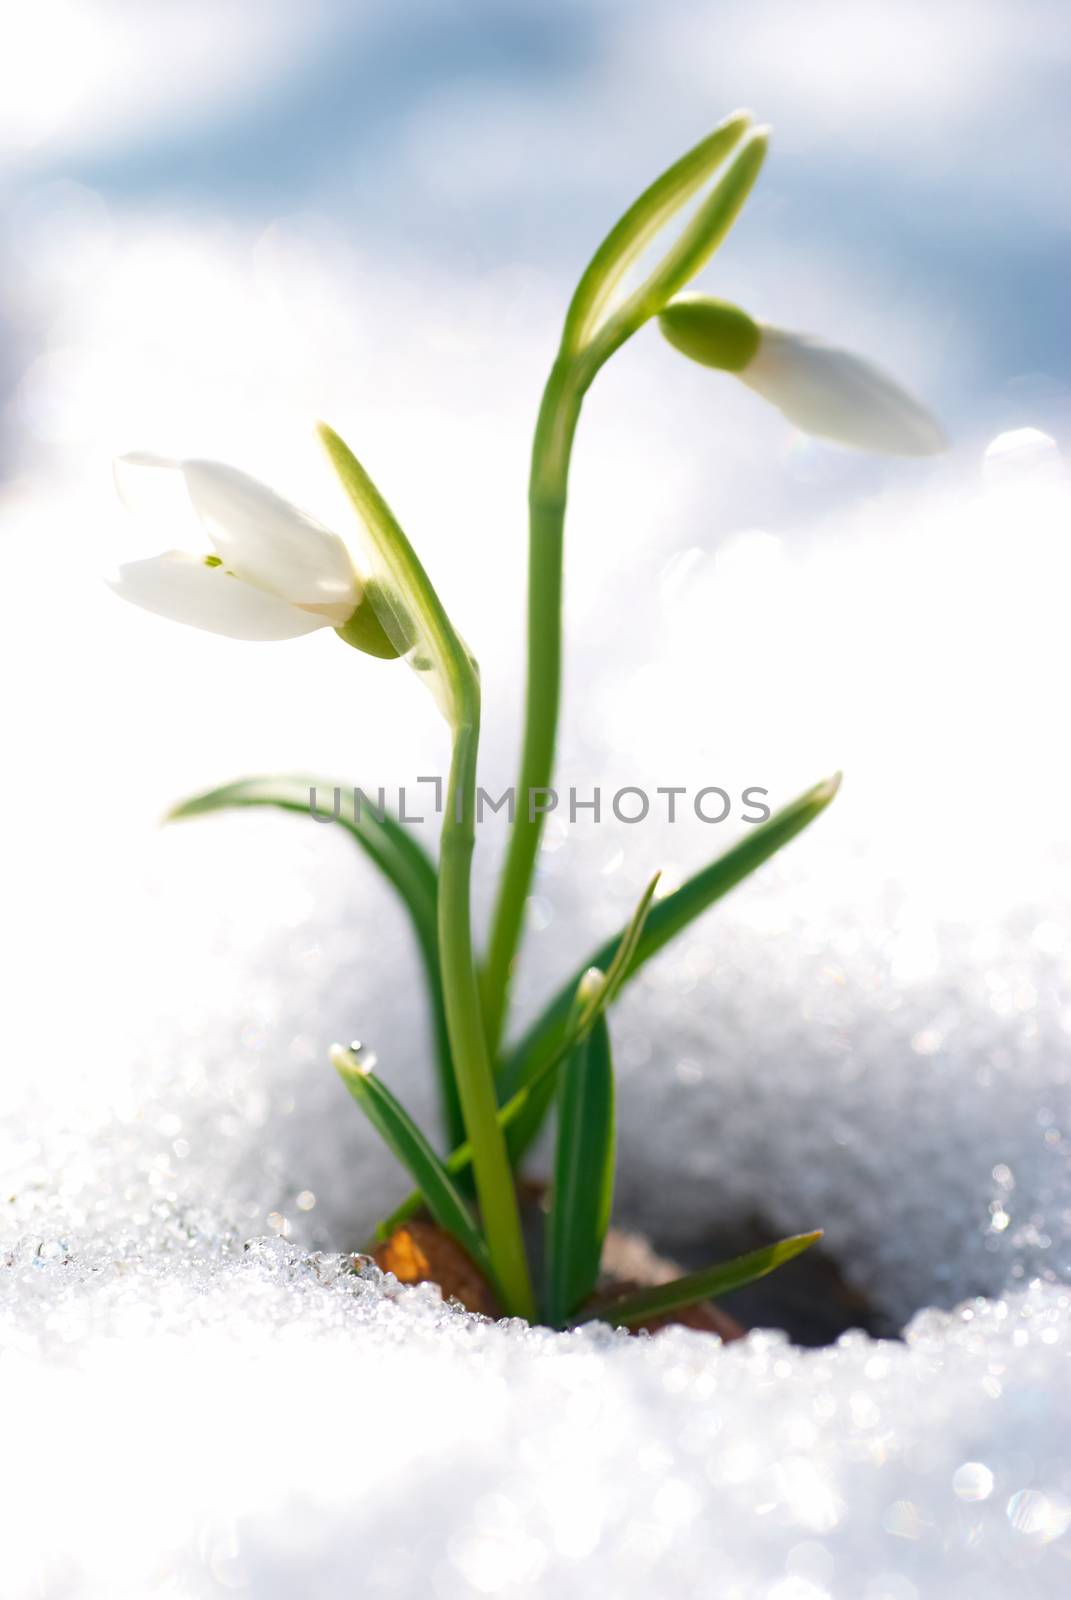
<point x="269" y="570"/>
<point x="820" y="389"/>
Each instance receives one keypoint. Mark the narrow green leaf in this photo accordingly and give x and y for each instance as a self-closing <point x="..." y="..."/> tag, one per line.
<point x="706" y="230"/>
<point x="403" y="596"/>
<point x="542" y="1082"/>
<point x="528" y="1074"/>
<point x="460" y="1159"/>
<point x="697" y="242"/>
<point x="629" y="237"/>
<point x="708" y="1284"/>
<point x="624" y="955"/>
<point x="666" y="919"/>
<point x="539" y="1097"/>
<point x="397" y="854"/>
<point x="400" y="1133"/>
<point x="586" y="1007"/>
<point x="582" y="1193"/>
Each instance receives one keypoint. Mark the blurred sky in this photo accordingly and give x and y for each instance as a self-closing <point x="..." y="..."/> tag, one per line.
<point x="924" y="143"/>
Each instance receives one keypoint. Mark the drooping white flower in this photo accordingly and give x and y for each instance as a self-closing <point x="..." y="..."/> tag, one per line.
<point x="821" y="389"/>
<point x="270" y="572"/>
<point x="840" y="396"/>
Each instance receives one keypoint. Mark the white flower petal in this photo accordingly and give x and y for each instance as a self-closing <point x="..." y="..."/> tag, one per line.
<point x="837" y="395"/>
<point x="270" y="543"/>
<point x="183" y="588"/>
<point x="153" y="489"/>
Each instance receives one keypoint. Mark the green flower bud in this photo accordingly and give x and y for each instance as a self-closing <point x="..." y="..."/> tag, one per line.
<point x="712" y="332"/>
<point x="365" y="631"/>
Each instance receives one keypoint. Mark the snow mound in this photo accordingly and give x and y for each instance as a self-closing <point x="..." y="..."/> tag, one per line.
<point x="270" y="1422"/>
<point x="871" y="1037"/>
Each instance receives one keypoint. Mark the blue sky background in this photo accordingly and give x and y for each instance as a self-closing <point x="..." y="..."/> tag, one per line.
<point x="924" y="143"/>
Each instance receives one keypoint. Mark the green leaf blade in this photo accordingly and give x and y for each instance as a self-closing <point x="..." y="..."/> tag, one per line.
<point x="406" y="1141"/>
<point x="539" y="1090"/>
<point x="529" y="1072"/>
<point x="629" y="236"/>
<point x="582" y="1193"/>
<point x="528" y="1119"/>
<point x="707" y="228"/>
<point x="402" y="595"/>
<point x="624" y="955"/>
<point x="395" y="851"/>
<point x="707" y="1284"/>
<point x="460" y="1159"/>
<point x="666" y="919"/>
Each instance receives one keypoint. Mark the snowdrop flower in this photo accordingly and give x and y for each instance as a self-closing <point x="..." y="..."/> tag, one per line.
<point x="269" y="571"/>
<point x="820" y="389"/>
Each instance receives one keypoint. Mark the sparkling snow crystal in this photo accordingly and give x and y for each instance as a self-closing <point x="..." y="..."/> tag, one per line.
<point x="201" y="1396"/>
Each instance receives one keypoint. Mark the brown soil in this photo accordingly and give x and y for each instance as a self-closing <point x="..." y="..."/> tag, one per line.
<point x="421" y="1252"/>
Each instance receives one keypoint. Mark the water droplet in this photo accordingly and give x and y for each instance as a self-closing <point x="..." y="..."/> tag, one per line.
<point x="972" y="1481"/>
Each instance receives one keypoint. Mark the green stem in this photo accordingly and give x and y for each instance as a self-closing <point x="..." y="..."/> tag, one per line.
<point x="591" y="334"/>
<point x="413" y="615"/>
<point x="547" y="491"/>
<point x="495" y="1189"/>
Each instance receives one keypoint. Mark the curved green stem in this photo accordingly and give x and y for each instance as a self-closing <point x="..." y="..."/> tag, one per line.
<point x="495" y="1189"/>
<point x="413" y="615"/>
<point x="591" y="335"/>
<point x="547" y="491"/>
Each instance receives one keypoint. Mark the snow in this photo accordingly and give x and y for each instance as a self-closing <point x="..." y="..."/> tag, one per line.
<point x="202" y="1396"/>
<point x="199" y="1398"/>
<point x="270" y="1424"/>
